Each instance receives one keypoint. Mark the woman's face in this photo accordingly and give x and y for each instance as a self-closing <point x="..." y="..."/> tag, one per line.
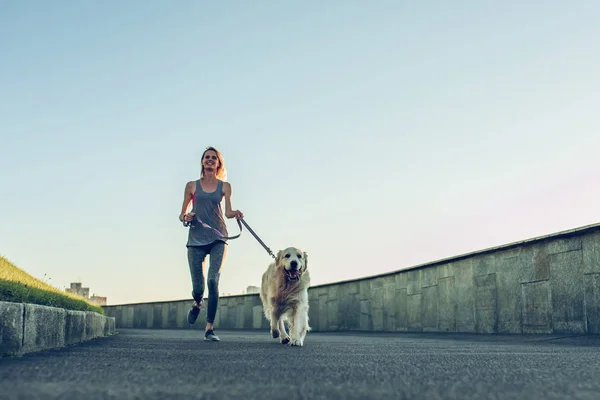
<point x="210" y="161"/>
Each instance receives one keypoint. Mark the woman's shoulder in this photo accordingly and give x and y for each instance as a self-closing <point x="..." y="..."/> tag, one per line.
<point x="190" y="186"/>
<point x="226" y="185"/>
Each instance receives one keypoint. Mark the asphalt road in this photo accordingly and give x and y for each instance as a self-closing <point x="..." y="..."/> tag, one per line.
<point x="171" y="364"/>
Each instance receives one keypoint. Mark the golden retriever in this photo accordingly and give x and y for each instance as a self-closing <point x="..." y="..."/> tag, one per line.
<point x="284" y="296"/>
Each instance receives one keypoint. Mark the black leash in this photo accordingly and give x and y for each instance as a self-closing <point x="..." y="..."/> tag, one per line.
<point x="239" y="222"/>
<point x="257" y="238"/>
<point x="204" y="224"/>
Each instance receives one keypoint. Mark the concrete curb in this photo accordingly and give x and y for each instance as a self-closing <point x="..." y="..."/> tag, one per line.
<point x="27" y="328"/>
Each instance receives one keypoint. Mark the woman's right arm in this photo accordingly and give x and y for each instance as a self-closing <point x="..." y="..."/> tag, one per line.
<point x="188" y="194"/>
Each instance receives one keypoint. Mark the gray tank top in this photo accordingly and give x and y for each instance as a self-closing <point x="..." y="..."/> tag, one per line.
<point x="207" y="207"/>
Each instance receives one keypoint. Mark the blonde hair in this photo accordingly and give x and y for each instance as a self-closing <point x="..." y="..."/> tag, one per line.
<point x="221" y="169"/>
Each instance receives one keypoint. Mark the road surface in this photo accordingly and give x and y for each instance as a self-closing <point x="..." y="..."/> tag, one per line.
<point x="178" y="364"/>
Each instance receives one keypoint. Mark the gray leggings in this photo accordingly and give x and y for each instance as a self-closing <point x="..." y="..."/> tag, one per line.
<point x="197" y="262"/>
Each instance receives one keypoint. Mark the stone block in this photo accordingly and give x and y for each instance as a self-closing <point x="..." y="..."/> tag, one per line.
<point x="429" y="276"/>
<point x="563" y="245"/>
<point x="343" y="306"/>
<point x="333" y="314"/>
<point x="117" y="312"/>
<point x="94" y="325"/>
<point x="239" y="317"/>
<point x="377" y="308"/>
<point x="182" y="309"/>
<point x="351" y="287"/>
<point x="313" y="293"/>
<point x="445" y="270"/>
<point x="109" y="327"/>
<point x="509" y="299"/>
<point x="413" y="305"/>
<point x="429" y="308"/>
<point x="352" y="314"/>
<point x="568" y="292"/>
<point x="143" y="316"/>
<point x="389" y="307"/>
<point x="257" y="317"/>
<point x="125" y="316"/>
<point x="377" y="283"/>
<point x="537" y="316"/>
<point x="44" y="328"/>
<point x="389" y="280"/>
<point x="465" y="296"/>
<point x="365" y="322"/>
<point x="447" y="304"/>
<point x="332" y="292"/>
<point x="249" y="303"/>
<point x="158" y="316"/>
<point x="591" y="253"/>
<point x="484" y="264"/>
<point x="169" y="317"/>
<point x="323" y="311"/>
<point x="110" y="311"/>
<point x="11" y="328"/>
<point x="364" y="289"/>
<point x="510" y="253"/>
<point x="534" y="264"/>
<point x="139" y="317"/>
<point x="401" y="280"/>
<point x="592" y="302"/>
<point x="313" y="313"/>
<point x="232" y="316"/>
<point x="414" y="282"/>
<point x="221" y="318"/>
<point x="74" y="327"/>
<point x="401" y="309"/>
<point x="146" y="312"/>
<point x="486" y="295"/>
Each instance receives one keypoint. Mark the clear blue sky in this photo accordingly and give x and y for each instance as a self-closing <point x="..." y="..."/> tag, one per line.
<point x="373" y="135"/>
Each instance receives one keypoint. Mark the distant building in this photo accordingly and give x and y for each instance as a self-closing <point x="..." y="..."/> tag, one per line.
<point x="252" y="289"/>
<point x="76" y="288"/>
<point x="98" y="300"/>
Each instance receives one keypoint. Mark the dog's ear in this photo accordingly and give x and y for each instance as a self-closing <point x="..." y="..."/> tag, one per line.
<point x="305" y="256"/>
<point x="278" y="257"/>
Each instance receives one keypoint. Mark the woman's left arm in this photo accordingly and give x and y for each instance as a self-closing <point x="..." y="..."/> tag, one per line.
<point x="229" y="212"/>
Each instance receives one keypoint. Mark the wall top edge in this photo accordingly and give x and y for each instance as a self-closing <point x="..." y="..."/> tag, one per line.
<point x="538" y="239"/>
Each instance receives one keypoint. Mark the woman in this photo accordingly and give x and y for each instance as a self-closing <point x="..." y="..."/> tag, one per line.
<point x="207" y="233"/>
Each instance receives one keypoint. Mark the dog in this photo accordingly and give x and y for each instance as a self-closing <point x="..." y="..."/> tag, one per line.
<point x="284" y="296"/>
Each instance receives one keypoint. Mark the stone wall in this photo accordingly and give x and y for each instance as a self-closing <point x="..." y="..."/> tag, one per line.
<point x="27" y="328"/>
<point x="549" y="284"/>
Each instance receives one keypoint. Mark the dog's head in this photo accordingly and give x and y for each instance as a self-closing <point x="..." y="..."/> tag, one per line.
<point x="292" y="261"/>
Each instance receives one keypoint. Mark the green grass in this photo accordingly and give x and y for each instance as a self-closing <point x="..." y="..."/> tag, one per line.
<point x="18" y="286"/>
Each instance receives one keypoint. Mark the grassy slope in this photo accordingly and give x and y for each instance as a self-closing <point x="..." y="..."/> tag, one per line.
<point x="18" y="286"/>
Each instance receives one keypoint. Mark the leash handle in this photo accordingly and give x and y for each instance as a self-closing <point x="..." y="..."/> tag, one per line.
<point x="205" y="225"/>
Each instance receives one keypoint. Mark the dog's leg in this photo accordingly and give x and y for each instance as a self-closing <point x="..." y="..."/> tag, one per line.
<point x="291" y="326"/>
<point x="274" y="325"/>
<point x="294" y="326"/>
<point x="300" y="326"/>
<point x="285" y="338"/>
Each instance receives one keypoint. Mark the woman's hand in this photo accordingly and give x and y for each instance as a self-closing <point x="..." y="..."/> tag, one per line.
<point x="237" y="214"/>
<point x="187" y="217"/>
